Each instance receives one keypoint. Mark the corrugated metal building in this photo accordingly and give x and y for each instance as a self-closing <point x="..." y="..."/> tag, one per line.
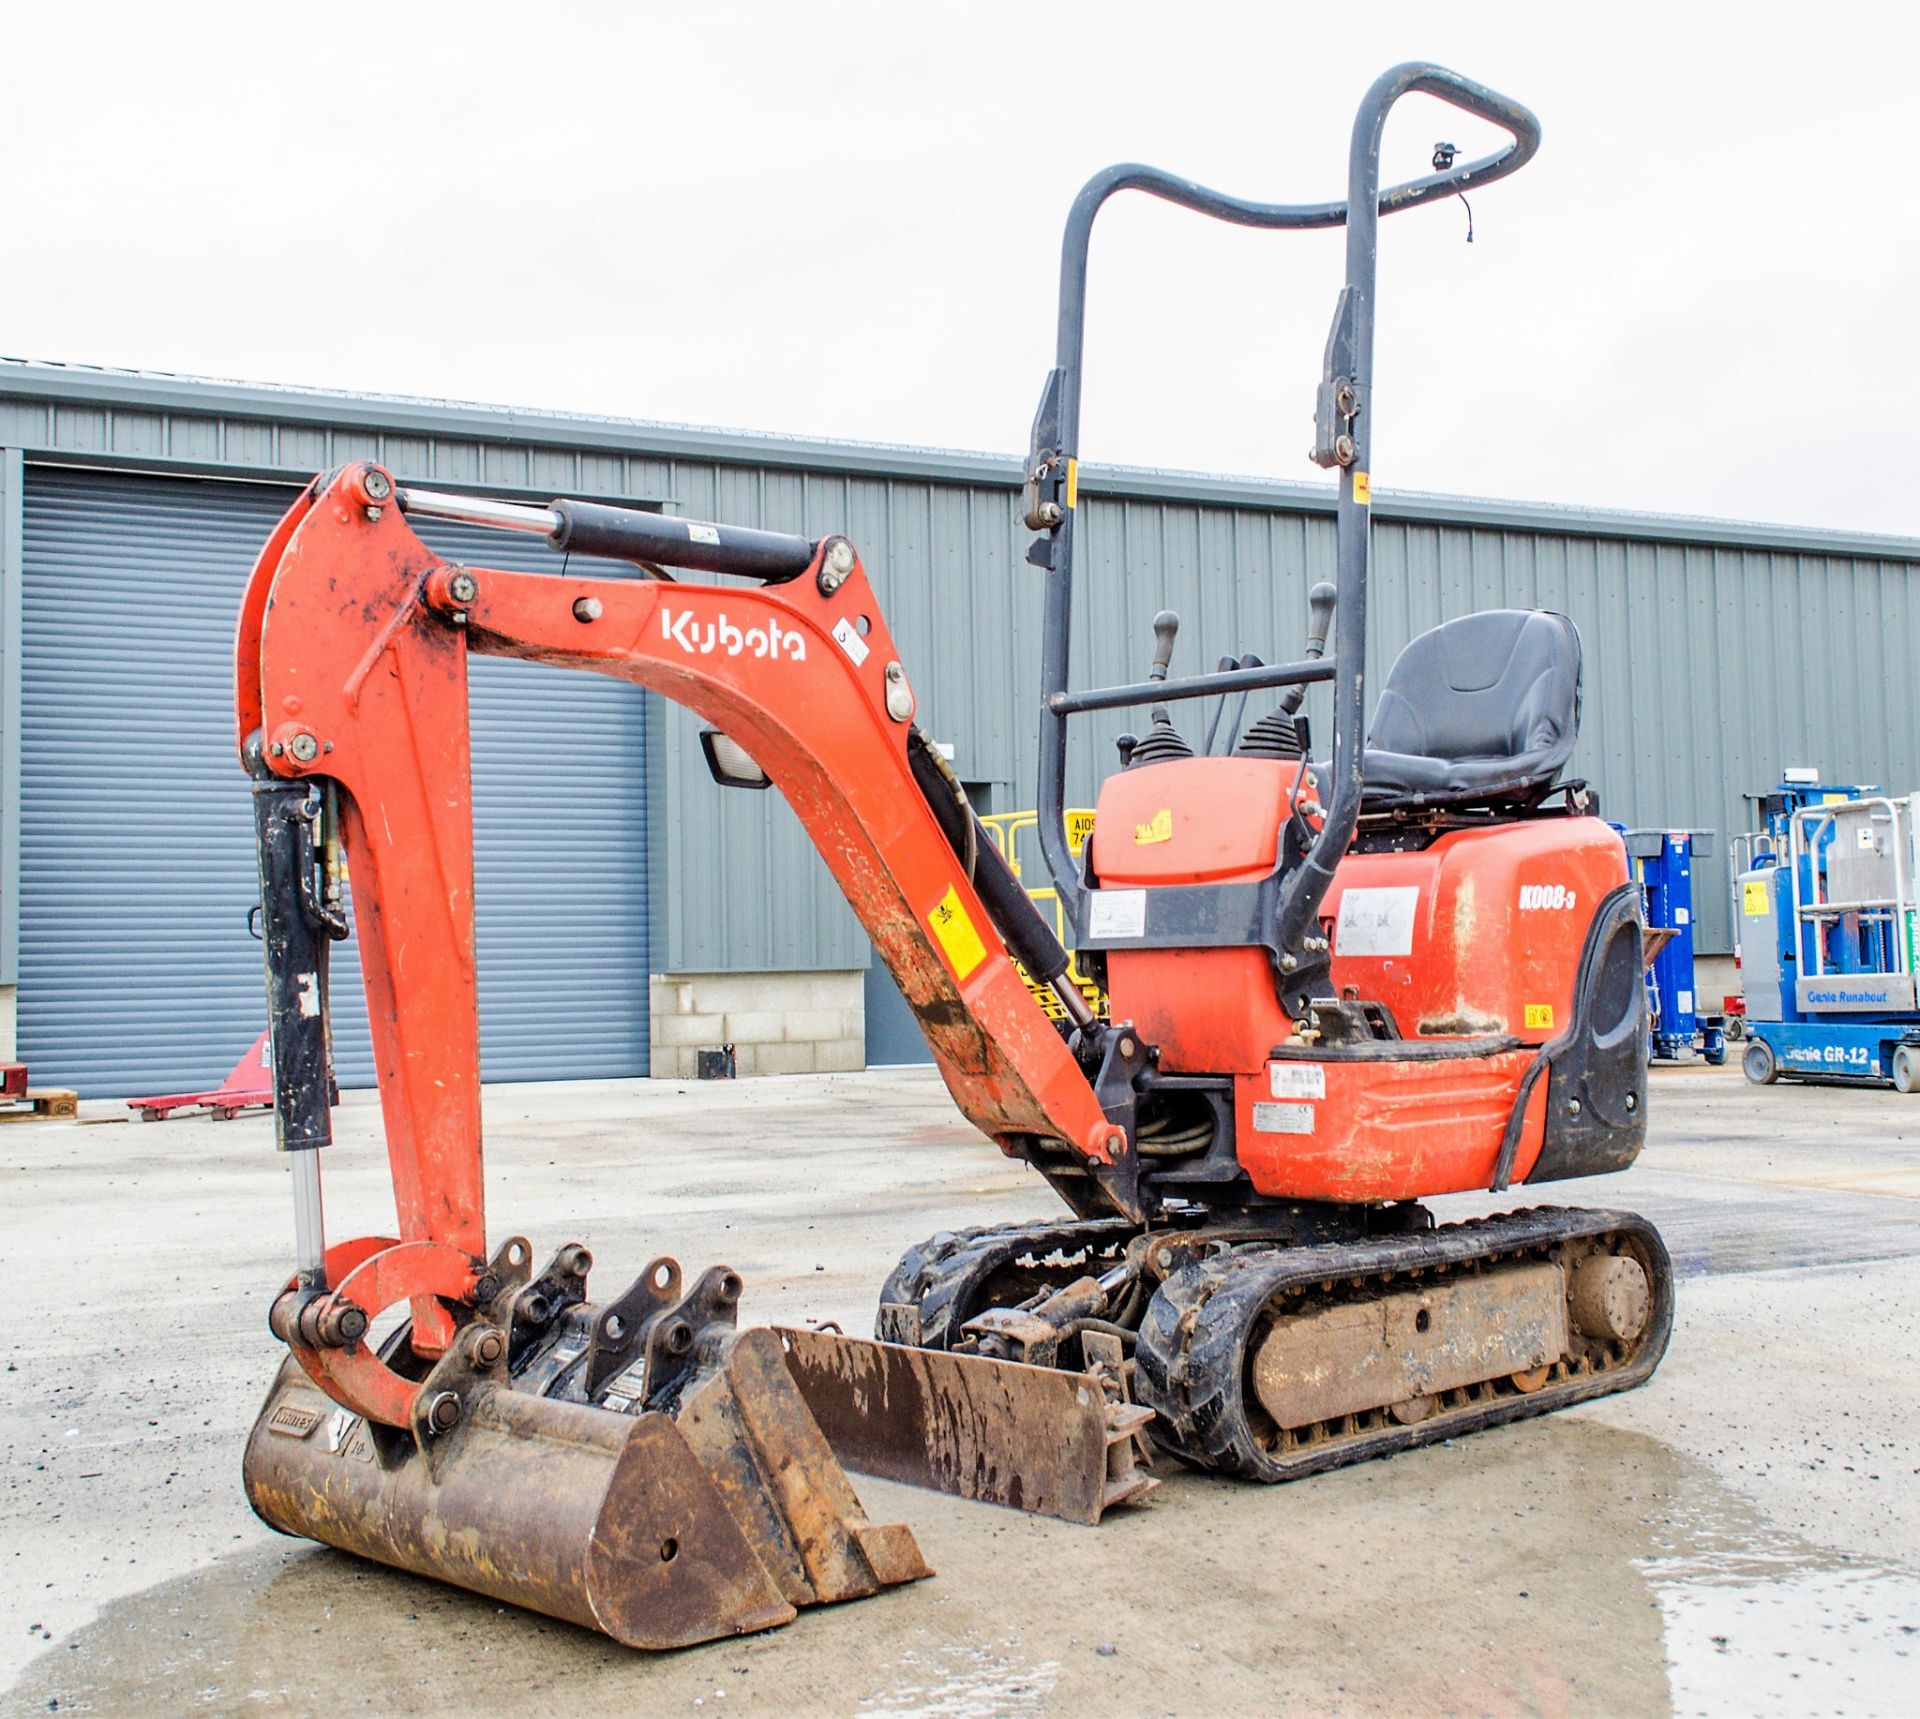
<point x="628" y="910"/>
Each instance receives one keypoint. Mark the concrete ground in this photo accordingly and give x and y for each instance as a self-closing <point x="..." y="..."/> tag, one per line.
<point x="1741" y="1536"/>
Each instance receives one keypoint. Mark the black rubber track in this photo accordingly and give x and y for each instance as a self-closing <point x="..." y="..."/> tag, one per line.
<point x="946" y="1276"/>
<point x="1193" y="1350"/>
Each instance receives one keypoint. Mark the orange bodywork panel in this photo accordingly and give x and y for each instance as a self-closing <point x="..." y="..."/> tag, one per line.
<point x="1197" y="820"/>
<point x="1477" y="936"/>
<point x="1479" y="933"/>
<point x="1384" y="1130"/>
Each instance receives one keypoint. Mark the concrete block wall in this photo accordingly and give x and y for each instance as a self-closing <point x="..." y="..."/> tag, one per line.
<point x="777" y="1023"/>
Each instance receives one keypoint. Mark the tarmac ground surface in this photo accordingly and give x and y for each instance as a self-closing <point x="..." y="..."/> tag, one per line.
<point x="1741" y="1535"/>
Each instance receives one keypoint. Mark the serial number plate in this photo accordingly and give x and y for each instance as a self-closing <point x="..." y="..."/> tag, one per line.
<point x="1283" y="1118"/>
<point x="1297" y="1080"/>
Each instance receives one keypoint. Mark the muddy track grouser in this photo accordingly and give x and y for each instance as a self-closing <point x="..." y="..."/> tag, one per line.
<point x="1338" y="985"/>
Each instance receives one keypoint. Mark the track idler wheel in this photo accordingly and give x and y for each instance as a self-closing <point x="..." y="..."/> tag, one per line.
<point x="1609" y="1297"/>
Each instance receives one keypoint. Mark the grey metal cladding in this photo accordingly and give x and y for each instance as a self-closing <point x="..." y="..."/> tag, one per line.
<point x="1716" y="651"/>
<point x="136" y="970"/>
<point x="1706" y="668"/>
<point x="92" y="411"/>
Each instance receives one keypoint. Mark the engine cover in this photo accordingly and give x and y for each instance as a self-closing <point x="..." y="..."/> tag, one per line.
<point x="1473" y="944"/>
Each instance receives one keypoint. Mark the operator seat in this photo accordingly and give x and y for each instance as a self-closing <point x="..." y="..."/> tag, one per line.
<point x="1479" y="711"/>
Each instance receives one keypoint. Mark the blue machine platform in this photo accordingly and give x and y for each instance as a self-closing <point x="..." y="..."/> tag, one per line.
<point x="1825" y="901"/>
<point x="1827" y="1050"/>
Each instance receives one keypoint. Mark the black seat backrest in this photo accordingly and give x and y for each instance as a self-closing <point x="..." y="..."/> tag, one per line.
<point x="1482" y="710"/>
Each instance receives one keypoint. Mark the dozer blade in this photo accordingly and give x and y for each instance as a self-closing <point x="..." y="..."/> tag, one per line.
<point x="658" y="1530"/>
<point x="1032" y="1438"/>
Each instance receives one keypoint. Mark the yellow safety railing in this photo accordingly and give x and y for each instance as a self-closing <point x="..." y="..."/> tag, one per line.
<point x="1007" y="828"/>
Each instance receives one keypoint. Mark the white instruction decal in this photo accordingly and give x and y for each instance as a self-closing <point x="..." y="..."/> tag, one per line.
<point x="1376" y="921"/>
<point x="1685" y="1002"/>
<point x="847" y="636"/>
<point x="703" y="533"/>
<point x="1682" y="917"/>
<point x="308" y="985"/>
<point x="1117" y="913"/>
<point x="1283" y="1118"/>
<point x="1297" y="1079"/>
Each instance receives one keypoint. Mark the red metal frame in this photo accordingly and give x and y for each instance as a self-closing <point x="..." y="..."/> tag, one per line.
<point x="351" y="657"/>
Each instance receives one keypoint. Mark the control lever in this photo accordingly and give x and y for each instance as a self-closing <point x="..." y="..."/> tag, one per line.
<point x="1320" y="602"/>
<point x="1166" y="627"/>
<point x="1163" y="742"/>
<point x="1239" y="710"/>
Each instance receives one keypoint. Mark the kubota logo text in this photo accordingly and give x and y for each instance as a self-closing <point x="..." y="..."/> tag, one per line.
<point x="701" y="640"/>
<point x="1546" y="895"/>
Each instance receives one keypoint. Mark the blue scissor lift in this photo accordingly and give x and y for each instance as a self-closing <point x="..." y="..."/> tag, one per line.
<point x="1824" y="895"/>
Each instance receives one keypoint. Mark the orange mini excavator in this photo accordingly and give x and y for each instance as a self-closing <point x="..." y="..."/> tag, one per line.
<point x="1337" y="986"/>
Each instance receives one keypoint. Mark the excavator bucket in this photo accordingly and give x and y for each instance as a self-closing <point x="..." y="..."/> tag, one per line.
<point x="720" y="1512"/>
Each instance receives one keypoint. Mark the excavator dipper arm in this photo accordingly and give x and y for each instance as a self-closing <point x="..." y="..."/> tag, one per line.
<point x="352" y="675"/>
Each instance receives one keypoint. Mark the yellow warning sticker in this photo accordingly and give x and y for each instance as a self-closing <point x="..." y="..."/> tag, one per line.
<point x="1540" y="1017"/>
<point x="1158" y="828"/>
<point x="1753" y="898"/>
<point x="952" y="926"/>
<point x="1079" y="827"/>
<point x="1362" y="489"/>
<point x="1073" y="482"/>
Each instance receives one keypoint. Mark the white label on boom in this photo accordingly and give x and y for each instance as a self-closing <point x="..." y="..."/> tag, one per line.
<point x="847" y="636"/>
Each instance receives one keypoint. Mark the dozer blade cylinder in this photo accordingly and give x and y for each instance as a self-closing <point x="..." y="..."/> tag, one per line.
<point x="607" y="1520"/>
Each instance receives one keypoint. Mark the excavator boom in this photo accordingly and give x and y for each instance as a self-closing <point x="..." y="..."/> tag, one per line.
<point x="353" y="721"/>
<point x="353" y="643"/>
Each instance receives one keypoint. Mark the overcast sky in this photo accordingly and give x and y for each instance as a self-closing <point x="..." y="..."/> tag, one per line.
<point x="844" y="221"/>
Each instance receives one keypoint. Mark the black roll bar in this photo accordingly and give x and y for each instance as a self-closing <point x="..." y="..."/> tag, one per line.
<point x="1343" y="437"/>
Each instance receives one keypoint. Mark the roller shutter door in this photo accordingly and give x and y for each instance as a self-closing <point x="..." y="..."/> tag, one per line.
<point x="137" y="973"/>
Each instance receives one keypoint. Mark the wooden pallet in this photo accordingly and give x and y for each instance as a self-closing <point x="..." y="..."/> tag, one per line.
<point x="42" y="1103"/>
